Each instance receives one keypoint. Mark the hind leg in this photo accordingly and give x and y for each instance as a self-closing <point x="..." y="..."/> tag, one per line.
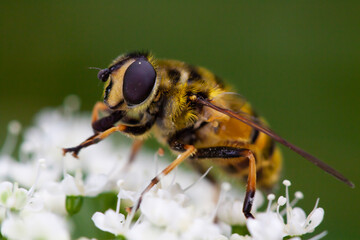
<point x="235" y="156"/>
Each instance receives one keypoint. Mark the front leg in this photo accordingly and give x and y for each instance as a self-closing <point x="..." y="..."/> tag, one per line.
<point x="93" y="140"/>
<point x="106" y="125"/>
<point x="98" y="107"/>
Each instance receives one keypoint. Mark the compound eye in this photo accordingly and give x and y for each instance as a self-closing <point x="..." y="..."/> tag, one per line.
<point x="139" y="81"/>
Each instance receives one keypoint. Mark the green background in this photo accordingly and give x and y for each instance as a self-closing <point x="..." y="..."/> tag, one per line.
<point x="297" y="62"/>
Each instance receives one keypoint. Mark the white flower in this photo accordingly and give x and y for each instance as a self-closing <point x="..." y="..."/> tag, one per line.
<point x="6" y="163"/>
<point x="171" y="209"/>
<point x="13" y="197"/>
<point x="163" y="209"/>
<point x="34" y="204"/>
<point x="230" y="210"/>
<point x="27" y="173"/>
<point x="202" y="228"/>
<point x="297" y="223"/>
<point x="131" y="195"/>
<point x="114" y="221"/>
<point x="145" y="230"/>
<point x="271" y="225"/>
<point x="179" y="207"/>
<point x="236" y="236"/>
<point x="53" y="197"/>
<point x="265" y="226"/>
<point x="53" y="131"/>
<point x="93" y="185"/>
<point x="110" y="222"/>
<point x="43" y="225"/>
<point x="2" y="214"/>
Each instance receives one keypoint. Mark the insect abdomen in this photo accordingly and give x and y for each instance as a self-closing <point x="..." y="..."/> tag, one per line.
<point x="270" y="162"/>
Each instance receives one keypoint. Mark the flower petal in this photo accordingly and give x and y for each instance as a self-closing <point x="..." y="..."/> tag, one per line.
<point x="69" y="186"/>
<point x="295" y="223"/>
<point x="95" y="184"/>
<point x="315" y="219"/>
<point x="109" y="222"/>
<point x="266" y="226"/>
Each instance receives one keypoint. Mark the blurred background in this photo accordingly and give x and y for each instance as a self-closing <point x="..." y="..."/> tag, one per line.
<point x="296" y="62"/>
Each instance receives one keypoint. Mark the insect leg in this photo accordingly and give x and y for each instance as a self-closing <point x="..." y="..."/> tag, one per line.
<point x="93" y="139"/>
<point x="251" y="186"/>
<point x="136" y="146"/>
<point x="99" y="106"/>
<point x="189" y="150"/>
<point x="234" y="153"/>
<point x="107" y="128"/>
<point x="104" y="123"/>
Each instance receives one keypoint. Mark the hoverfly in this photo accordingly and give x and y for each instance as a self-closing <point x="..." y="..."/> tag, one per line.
<point x="190" y="110"/>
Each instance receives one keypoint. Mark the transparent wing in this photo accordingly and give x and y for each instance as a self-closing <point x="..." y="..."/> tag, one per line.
<point x="236" y="103"/>
<point x="236" y="100"/>
<point x="257" y="124"/>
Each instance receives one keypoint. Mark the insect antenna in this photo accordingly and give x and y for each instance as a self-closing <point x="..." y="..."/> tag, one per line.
<point x="95" y="68"/>
<point x="249" y="120"/>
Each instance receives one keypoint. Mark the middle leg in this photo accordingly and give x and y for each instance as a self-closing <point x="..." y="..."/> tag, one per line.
<point x="189" y="150"/>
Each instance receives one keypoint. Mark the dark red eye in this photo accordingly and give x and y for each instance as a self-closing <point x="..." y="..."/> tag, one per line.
<point x="139" y="81"/>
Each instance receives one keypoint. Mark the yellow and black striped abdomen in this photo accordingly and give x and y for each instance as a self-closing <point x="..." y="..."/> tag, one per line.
<point x="270" y="159"/>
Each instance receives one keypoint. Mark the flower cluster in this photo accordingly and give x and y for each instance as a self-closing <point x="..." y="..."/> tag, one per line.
<point x="42" y="192"/>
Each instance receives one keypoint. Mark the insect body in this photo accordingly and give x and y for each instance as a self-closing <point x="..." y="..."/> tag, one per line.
<point x="191" y="110"/>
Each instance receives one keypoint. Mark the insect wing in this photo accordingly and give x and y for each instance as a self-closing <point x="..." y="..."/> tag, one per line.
<point x="236" y="100"/>
<point x="253" y="122"/>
